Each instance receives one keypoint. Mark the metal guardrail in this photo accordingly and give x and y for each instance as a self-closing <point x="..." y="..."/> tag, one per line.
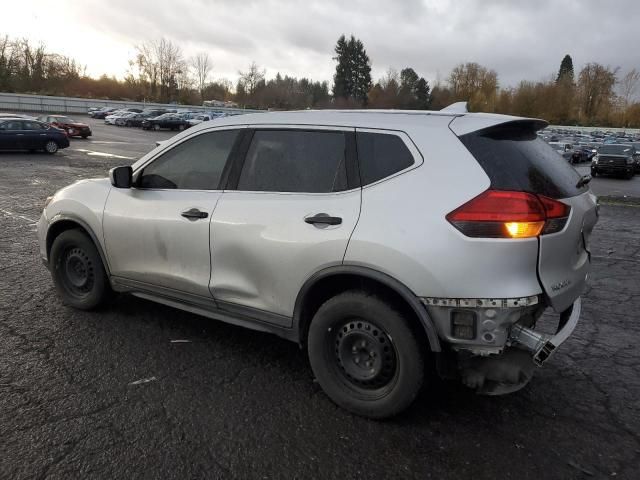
<point x="22" y="102"/>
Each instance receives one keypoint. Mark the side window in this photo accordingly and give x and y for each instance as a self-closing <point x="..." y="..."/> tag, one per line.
<point x="381" y="155"/>
<point x="14" y="125"/>
<point x="295" y="161"/>
<point x="32" y="126"/>
<point x="195" y="164"/>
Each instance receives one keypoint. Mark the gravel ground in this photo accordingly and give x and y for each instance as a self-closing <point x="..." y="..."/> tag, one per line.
<point x="139" y="390"/>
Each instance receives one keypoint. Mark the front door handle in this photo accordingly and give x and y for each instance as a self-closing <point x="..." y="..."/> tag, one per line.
<point x="323" y="219"/>
<point x="194" y="214"/>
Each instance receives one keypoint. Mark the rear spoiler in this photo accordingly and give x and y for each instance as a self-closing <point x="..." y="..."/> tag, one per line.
<point x="489" y="121"/>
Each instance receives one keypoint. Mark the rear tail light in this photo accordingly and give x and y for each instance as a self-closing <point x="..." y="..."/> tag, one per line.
<point x="506" y="214"/>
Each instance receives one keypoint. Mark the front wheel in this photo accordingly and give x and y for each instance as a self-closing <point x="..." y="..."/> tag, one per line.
<point x="51" y="147"/>
<point x="180" y="127"/>
<point x="365" y="355"/>
<point x="77" y="271"/>
<point x="156" y="127"/>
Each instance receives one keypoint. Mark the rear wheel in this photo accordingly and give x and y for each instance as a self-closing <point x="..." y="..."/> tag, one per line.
<point x="51" y="147"/>
<point x="364" y="355"/>
<point x="77" y="271"/>
<point x="85" y="136"/>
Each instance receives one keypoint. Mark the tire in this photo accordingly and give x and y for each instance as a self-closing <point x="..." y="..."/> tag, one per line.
<point x="51" y="147"/>
<point x="364" y="355"/>
<point x="127" y="123"/>
<point x="180" y="127"/>
<point x="78" y="272"/>
<point x="84" y="137"/>
<point x="629" y="175"/>
<point x="594" y="173"/>
<point x="156" y="127"/>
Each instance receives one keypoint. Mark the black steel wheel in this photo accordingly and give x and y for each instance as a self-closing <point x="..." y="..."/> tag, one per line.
<point x="77" y="270"/>
<point x="365" y="354"/>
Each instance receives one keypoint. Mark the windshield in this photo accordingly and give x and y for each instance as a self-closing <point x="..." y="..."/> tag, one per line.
<point x="616" y="150"/>
<point x="63" y="120"/>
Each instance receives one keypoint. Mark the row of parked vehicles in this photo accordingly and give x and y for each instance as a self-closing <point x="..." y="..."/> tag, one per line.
<point x="609" y="153"/>
<point x="153" y="119"/>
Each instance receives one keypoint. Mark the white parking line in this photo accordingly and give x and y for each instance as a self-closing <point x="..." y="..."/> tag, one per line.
<point x="22" y="217"/>
<point x="93" y="153"/>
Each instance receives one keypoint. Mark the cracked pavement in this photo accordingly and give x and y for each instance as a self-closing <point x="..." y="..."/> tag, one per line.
<point x="140" y="390"/>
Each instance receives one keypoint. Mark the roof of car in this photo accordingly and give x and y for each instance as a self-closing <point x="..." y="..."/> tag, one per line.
<point x="392" y="119"/>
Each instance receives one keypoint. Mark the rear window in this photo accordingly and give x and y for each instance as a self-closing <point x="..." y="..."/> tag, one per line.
<point x="381" y="155"/>
<point x="515" y="158"/>
<point x="616" y="150"/>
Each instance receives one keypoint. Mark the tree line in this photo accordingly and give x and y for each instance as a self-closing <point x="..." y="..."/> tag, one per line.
<point x="160" y="72"/>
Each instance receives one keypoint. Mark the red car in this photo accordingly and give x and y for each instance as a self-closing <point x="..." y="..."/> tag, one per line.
<point x="73" y="128"/>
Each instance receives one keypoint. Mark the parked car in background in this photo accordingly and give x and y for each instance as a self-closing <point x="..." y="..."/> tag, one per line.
<point x="132" y="119"/>
<point x="171" y="121"/>
<point x="303" y="224"/>
<point x="112" y="117"/>
<point x="199" y="118"/>
<point x="636" y="156"/>
<point x="615" y="159"/>
<point x="154" y="112"/>
<point x="565" y="150"/>
<point x="102" y="113"/>
<point x="69" y="125"/>
<point x="32" y="135"/>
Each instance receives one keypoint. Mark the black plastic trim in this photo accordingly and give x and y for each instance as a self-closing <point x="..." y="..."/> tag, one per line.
<point x="412" y="300"/>
<point x="87" y="228"/>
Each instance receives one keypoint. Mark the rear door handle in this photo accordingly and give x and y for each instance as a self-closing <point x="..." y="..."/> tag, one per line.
<point x="323" y="219"/>
<point x="194" y="214"/>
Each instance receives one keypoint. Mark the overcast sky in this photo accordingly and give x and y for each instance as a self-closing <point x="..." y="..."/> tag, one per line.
<point x="519" y="39"/>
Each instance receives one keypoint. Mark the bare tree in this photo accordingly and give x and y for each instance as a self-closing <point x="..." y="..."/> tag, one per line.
<point x="628" y="89"/>
<point x="202" y="67"/>
<point x="251" y="78"/>
<point x="595" y="84"/>
<point x="161" y="63"/>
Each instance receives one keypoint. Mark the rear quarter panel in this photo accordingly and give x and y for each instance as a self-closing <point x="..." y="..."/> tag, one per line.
<point x="402" y="230"/>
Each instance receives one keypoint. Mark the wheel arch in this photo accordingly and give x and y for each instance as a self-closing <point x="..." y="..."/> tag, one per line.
<point x="333" y="280"/>
<point x="62" y="223"/>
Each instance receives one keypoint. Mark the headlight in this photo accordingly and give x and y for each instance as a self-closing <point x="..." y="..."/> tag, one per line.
<point x="630" y="160"/>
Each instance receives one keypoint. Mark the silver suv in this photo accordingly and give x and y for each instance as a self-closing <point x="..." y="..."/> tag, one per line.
<point x="388" y="244"/>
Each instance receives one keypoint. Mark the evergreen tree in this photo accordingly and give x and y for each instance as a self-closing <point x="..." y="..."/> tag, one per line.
<point x="566" y="69"/>
<point x="352" y="79"/>
<point x="423" y="94"/>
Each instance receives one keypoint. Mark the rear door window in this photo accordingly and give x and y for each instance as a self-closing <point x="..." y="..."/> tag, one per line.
<point x="515" y="158"/>
<point x="309" y="161"/>
<point x="380" y="155"/>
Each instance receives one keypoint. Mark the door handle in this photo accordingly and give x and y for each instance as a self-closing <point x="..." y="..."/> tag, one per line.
<point x="194" y="214"/>
<point x="323" y="219"/>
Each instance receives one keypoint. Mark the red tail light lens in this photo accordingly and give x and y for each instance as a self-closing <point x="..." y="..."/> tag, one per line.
<point x="506" y="214"/>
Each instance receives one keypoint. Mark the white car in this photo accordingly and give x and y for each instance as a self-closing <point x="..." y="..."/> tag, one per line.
<point x="111" y="118"/>
<point x="386" y="243"/>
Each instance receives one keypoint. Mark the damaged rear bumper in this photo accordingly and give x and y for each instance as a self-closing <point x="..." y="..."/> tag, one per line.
<point x="503" y="350"/>
<point x="543" y="345"/>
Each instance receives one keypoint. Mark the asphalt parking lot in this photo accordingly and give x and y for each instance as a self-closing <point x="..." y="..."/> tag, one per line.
<point x="140" y="390"/>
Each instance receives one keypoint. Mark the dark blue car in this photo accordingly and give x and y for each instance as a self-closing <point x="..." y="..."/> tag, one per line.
<point x="21" y="134"/>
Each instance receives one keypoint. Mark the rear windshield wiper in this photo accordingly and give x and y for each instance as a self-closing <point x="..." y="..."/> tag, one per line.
<point x="583" y="181"/>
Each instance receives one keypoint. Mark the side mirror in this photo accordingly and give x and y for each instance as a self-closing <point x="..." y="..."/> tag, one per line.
<point x="121" y="177"/>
